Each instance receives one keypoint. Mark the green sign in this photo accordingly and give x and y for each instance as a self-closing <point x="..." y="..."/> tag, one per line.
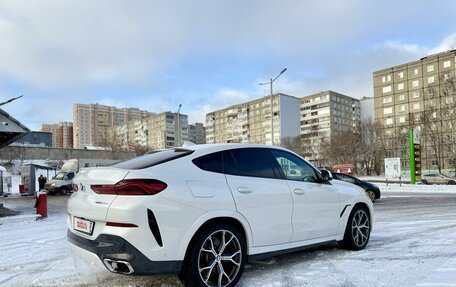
<point x="415" y="156"/>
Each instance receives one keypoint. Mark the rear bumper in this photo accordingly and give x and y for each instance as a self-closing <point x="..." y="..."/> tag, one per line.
<point x="116" y="248"/>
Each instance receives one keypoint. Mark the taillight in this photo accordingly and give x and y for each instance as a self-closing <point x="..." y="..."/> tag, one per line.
<point x="131" y="187"/>
<point x="120" y="224"/>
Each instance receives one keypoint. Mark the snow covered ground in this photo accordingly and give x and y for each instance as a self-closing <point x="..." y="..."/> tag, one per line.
<point x="413" y="243"/>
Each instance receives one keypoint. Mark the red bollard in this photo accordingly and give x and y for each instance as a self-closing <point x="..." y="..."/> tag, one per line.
<point x="41" y="204"/>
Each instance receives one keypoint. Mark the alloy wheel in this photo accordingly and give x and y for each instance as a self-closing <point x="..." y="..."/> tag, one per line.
<point x="219" y="259"/>
<point x="360" y="228"/>
<point x="371" y="195"/>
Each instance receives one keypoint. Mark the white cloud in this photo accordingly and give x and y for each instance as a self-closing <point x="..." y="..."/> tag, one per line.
<point x="449" y="43"/>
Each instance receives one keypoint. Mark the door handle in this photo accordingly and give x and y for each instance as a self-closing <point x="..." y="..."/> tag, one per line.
<point x="299" y="191"/>
<point x="244" y="190"/>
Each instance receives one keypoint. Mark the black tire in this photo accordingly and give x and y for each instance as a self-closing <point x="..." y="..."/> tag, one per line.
<point x="451" y="182"/>
<point x="357" y="231"/>
<point x="424" y="181"/>
<point x="371" y="194"/>
<point x="201" y="262"/>
<point x="64" y="191"/>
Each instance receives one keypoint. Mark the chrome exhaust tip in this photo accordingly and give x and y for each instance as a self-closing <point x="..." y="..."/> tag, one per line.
<point x="118" y="266"/>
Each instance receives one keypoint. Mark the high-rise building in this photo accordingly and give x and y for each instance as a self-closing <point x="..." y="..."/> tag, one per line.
<point x="62" y="134"/>
<point x="324" y="115"/>
<point x="197" y="133"/>
<point x="250" y="122"/>
<point x="91" y="122"/>
<point x="418" y="95"/>
<point x="157" y="131"/>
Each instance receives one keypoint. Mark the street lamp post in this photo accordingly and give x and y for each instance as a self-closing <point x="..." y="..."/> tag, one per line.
<point x="272" y="102"/>
<point x="178" y="125"/>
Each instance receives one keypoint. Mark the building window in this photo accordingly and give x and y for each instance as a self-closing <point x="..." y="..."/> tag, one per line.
<point x="387" y="100"/>
<point x="430" y="68"/>
<point x="402" y="120"/>
<point x="401" y="97"/>
<point x="416" y="106"/>
<point x="431" y="80"/>
<point x="402" y="108"/>
<point x="400" y="75"/>
<point x="386" y="78"/>
<point x="400" y="86"/>
<point x="415" y="83"/>
<point x="387" y="111"/>
<point x="387" y="89"/>
<point x="447" y="64"/>
<point x="415" y="71"/>
<point x="388" y="121"/>
<point x="415" y="94"/>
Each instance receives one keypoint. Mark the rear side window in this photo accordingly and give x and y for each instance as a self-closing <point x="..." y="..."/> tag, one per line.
<point x="153" y="159"/>
<point x="255" y="162"/>
<point x="211" y="162"/>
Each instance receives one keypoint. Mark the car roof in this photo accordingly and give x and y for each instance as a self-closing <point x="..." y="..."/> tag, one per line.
<point x="224" y="146"/>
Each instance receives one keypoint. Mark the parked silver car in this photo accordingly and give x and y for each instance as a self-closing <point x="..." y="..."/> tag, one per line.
<point x="437" y="178"/>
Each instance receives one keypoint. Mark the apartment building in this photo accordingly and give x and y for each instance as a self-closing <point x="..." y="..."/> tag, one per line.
<point x="197" y="133"/>
<point x="167" y="130"/>
<point x="158" y="131"/>
<point x="324" y="115"/>
<point x="91" y="122"/>
<point x="250" y="122"/>
<point x="62" y="134"/>
<point x="408" y="94"/>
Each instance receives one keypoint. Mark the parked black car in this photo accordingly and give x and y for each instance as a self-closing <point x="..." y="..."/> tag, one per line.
<point x="372" y="190"/>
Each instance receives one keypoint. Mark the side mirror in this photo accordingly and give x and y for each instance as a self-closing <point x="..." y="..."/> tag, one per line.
<point x="326" y="175"/>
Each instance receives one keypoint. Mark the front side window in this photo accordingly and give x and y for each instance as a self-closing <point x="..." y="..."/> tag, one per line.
<point x="294" y="167"/>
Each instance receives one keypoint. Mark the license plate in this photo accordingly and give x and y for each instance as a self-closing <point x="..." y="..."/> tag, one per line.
<point x="82" y="225"/>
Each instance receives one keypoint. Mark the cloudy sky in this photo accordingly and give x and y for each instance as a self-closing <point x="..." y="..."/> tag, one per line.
<point x="203" y="54"/>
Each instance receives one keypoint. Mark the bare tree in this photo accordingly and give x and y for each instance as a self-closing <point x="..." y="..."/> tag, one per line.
<point x="371" y="149"/>
<point x="140" y="149"/>
<point x="112" y="141"/>
<point x="292" y="143"/>
<point x="341" y="148"/>
<point x="10" y="153"/>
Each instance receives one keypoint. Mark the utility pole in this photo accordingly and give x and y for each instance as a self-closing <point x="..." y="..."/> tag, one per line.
<point x="272" y="102"/>
<point x="178" y="126"/>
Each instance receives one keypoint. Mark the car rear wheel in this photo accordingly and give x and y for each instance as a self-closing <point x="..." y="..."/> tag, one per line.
<point x="216" y="258"/>
<point x="424" y="181"/>
<point x="371" y="195"/>
<point x="358" y="229"/>
<point x="452" y="182"/>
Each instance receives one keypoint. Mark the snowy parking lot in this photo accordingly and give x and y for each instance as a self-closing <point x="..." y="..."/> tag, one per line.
<point x="413" y="243"/>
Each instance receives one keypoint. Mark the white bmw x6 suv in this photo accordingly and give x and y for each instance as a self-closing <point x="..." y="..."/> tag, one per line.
<point x="202" y="212"/>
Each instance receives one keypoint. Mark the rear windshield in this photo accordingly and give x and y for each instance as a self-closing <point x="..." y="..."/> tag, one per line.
<point x="152" y="159"/>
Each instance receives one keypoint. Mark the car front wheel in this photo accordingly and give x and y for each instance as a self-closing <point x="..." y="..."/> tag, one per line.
<point x="358" y="229"/>
<point x="64" y="191"/>
<point x="216" y="258"/>
<point x="452" y="182"/>
<point x="371" y="195"/>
